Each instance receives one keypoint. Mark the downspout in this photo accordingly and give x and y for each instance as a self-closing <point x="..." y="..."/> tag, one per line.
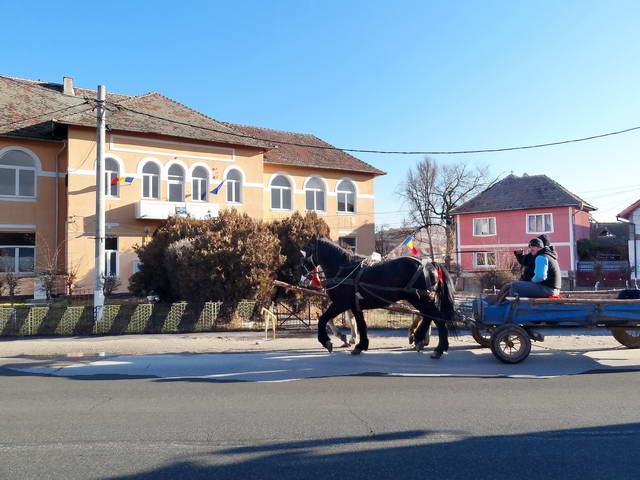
<point x="57" y="190"/>
<point x="635" y="246"/>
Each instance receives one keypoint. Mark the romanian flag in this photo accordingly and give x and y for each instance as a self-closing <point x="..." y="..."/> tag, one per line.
<point x="217" y="189"/>
<point x="115" y="180"/>
<point x="409" y="243"/>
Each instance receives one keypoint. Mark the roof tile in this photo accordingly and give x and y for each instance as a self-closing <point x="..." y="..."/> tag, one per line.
<point x="522" y="193"/>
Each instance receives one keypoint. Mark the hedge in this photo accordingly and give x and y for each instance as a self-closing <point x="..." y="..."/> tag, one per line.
<point x="124" y="319"/>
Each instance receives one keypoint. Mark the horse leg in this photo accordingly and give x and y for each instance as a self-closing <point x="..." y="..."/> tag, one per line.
<point x="443" y="339"/>
<point x="421" y="333"/>
<point x="335" y="331"/>
<point x="412" y="329"/>
<point x="363" y="343"/>
<point x="330" y="313"/>
<point x="352" y="325"/>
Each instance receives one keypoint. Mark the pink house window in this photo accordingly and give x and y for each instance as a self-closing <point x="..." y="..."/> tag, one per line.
<point x="484" y="259"/>
<point x="540" y="223"/>
<point x="484" y="227"/>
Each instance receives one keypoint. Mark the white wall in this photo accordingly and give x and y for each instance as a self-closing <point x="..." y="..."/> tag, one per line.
<point x="635" y="218"/>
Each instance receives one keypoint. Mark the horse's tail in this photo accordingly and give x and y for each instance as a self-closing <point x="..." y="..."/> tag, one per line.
<point x="447" y="301"/>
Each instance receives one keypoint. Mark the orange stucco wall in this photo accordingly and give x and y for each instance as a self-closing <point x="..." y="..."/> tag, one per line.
<point x="38" y="214"/>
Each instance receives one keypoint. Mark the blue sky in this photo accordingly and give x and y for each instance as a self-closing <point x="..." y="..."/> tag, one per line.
<point x="406" y="75"/>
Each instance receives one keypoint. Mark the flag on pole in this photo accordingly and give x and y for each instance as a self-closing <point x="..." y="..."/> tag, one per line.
<point x="115" y="180"/>
<point x="409" y="243"/>
<point x="217" y="189"/>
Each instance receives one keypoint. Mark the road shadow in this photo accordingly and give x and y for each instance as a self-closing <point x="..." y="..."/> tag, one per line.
<point x="581" y="453"/>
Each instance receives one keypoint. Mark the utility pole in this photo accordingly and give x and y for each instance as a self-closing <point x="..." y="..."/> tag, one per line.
<point x="98" y="294"/>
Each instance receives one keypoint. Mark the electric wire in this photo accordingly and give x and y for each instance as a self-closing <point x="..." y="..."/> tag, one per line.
<point x="385" y="152"/>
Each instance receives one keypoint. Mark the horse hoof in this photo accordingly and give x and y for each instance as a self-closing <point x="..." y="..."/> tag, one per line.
<point x="419" y="346"/>
<point x="356" y="351"/>
<point x="411" y="339"/>
<point x="328" y="345"/>
<point x="436" y="355"/>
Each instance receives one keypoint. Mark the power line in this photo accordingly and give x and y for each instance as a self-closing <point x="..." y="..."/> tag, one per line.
<point x="387" y="152"/>
<point x="46" y="114"/>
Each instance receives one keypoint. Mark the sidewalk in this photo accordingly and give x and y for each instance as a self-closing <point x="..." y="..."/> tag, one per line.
<point x="248" y="342"/>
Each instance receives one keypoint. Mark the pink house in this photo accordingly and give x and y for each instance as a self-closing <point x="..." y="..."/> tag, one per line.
<point x="504" y="217"/>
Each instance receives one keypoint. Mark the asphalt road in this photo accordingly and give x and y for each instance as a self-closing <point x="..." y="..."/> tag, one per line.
<point x="570" y="427"/>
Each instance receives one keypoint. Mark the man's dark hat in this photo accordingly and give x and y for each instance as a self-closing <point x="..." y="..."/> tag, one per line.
<point x="536" y="242"/>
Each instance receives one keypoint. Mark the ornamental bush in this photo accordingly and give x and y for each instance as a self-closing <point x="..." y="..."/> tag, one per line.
<point x="227" y="258"/>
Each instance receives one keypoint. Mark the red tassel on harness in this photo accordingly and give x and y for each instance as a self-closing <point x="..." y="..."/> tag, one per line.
<point x="440" y="275"/>
<point x="314" y="279"/>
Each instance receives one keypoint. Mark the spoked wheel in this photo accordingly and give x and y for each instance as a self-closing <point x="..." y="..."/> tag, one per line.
<point x="482" y="336"/>
<point x="510" y="343"/>
<point x="629" y="337"/>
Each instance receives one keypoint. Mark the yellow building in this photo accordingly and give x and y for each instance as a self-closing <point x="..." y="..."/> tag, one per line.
<point x="172" y="158"/>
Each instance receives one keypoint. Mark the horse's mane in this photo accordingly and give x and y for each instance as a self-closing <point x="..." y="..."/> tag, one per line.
<point x="345" y="254"/>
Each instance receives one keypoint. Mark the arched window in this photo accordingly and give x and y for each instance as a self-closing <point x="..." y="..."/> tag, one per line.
<point x="17" y="174"/>
<point x="176" y="183"/>
<point x="200" y="184"/>
<point x="111" y="175"/>
<point x="346" y="197"/>
<point x="151" y="180"/>
<point x="314" y="192"/>
<point x="234" y="186"/>
<point x="281" y="193"/>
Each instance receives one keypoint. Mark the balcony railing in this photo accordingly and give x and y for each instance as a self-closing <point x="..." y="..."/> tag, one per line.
<point x="159" y="210"/>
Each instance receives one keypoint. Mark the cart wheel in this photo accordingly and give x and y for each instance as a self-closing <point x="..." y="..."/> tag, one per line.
<point x="510" y="343"/>
<point x="629" y="337"/>
<point x="482" y="336"/>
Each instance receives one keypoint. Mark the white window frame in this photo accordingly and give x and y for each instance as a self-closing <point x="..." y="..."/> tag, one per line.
<point x="316" y="191"/>
<point x="109" y="176"/>
<point x="280" y="189"/>
<point x="486" y="265"/>
<point x="107" y="254"/>
<point x="355" y="241"/>
<point x="543" y="222"/>
<point x="495" y="227"/>
<point x="230" y="187"/>
<point x="16" y="259"/>
<point x="173" y="180"/>
<point x="17" y="169"/>
<point x="197" y="184"/>
<point x="346" y="193"/>
<point x="150" y="178"/>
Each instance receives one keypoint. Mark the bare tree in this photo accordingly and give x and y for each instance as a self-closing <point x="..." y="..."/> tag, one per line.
<point x="71" y="278"/>
<point x="9" y="279"/>
<point x="13" y="285"/>
<point x="110" y="283"/>
<point x="48" y="269"/>
<point x="432" y="190"/>
<point x="381" y="240"/>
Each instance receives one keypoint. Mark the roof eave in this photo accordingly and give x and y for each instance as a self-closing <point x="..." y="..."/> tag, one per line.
<point x="375" y="174"/>
<point x="458" y="212"/>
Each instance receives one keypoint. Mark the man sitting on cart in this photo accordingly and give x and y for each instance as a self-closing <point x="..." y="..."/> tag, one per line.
<point x="546" y="281"/>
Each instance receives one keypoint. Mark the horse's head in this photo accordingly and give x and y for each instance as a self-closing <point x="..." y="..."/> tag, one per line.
<point x="434" y="277"/>
<point x="308" y="262"/>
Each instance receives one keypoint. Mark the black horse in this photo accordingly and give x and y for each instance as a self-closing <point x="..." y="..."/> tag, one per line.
<point x="351" y="285"/>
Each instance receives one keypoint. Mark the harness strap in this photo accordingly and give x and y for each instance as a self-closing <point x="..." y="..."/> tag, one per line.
<point x="356" y="282"/>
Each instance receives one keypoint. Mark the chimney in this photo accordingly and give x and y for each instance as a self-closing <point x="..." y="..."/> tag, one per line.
<point x="67" y="86"/>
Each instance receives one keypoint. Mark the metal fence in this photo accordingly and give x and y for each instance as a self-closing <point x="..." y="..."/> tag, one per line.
<point x="131" y="318"/>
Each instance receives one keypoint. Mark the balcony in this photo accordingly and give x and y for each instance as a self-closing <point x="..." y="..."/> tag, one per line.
<point x="159" y="210"/>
